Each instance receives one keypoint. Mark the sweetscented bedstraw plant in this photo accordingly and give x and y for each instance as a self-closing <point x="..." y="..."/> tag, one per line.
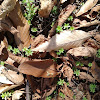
<point x="92" y="87"/>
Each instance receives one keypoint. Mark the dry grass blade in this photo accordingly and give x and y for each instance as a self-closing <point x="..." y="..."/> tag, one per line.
<point x="39" y="68"/>
<point x="87" y="6"/>
<point x="66" y="40"/>
<point x="21" y="24"/>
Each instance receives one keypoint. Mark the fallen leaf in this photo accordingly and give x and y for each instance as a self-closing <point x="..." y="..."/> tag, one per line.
<point x="66" y="40"/>
<point x="87" y="6"/>
<point x="39" y="68"/>
<point x="96" y="96"/>
<point x="83" y="51"/>
<point x="95" y="70"/>
<point x="62" y="1"/>
<point x="46" y="7"/>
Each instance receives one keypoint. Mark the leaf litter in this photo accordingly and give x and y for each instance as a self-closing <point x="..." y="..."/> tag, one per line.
<point x="59" y="58"/>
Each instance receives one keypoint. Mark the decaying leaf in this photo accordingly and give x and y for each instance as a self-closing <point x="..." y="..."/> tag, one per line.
<point x="83" y="51"/>
<point x="46" y="7"/>
<point x="66" y="40"/>
<point x="39" y="68"/>
<point x="97" y="37"/>
<point x="95" y="70"/>
<point x="6" y="7"/>
<point x="21" y="24"/>
<point x="86" y="76"/>
<point x="87" y="6"/>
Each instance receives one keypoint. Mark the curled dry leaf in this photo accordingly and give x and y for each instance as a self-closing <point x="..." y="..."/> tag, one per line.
<point x="39" y="68"/>
<point x="66" y="40"/>
<point x="6" y="7"/>
<point x="21" y="24"/>
<point x="46" y="7"/>
<point x="83" y="51"/>
<point x="95" y="9"/>
<point x="95" y="70"/>
<point x="87" y="6"/>
<point x="86" y="76"/>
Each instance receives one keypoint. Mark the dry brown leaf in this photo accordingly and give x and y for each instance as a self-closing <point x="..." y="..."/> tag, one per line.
<point x="66" y="40"/>
<point x="95" y="70"/>
<point x="39" y="68"/>
<point x="86" y="76"/>
<point x="83" y="51"/>
<point x="97" y="37"/>
<point x="17" y="94"/>
<point x="6" y="7"/>
<point x="96" y="96"/>
<point x="46" y="7"/>
<point x="67" y="91"/>
<point x="87" y="6"/>
<point x="64" y="14"/>
<point x="21" y="24"/>
<point x="95" y="9"/>
<point x="79" y="95"/>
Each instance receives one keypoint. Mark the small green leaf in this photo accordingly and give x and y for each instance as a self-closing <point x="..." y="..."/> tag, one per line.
<point x="61" y="95"/>
<point x="92" y="87"/>
<point x="16" y="51"/>
<point x="9" y="48"/>
<point x="84" y="98"/>
<point x="90" y="64"/>
<point x="48" y="98"/>
<point x="77" y="72"/>
<point x="54" y="10"/>
<point x="66" y="26"/>
<point x="2" y="63"/>
<point x="70" y="18"/>
<point x="34" y="29"/>
<point x="59" y="29"/>
<point x="60" y="82"/>
<point x="71" y="28"/>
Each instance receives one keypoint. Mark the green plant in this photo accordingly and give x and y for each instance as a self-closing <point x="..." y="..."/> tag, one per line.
<point x="30" y="9"/>
<point x="16" y="51"/>
<point x="27" y="51"/>
<point x="84" y="98"/>
<point x="71" y="28"/>
<point x="60" y="51"/>
<point x="2" y="63"/>
<point x="54" y="10"/>
<point x="70" y="18"/>
<point x="59" y="29"/>
<point x="60" y="82"/>
<point x="78" y="63"/>
<point x="34" y="29"/>
<point x="10" y="48"/>
<point x="92" y="87"/>
<point x="54" y="59"/>
<point x="61" y="95"/>
<point x="66" y="26"/>
<point x="90" y="64"/>
<point x="67" y="83"/>
<point x="6" y="95"/>
<point x="48" y="98"/>
<point x="98" y="53"/>
<point x="77" y="72"/>
<point x="52" y="24"/>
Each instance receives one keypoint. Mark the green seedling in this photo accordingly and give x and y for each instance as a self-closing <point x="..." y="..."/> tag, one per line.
<point x="98" y="53"/>
<point x="16" y="51"/>
<point x="28" y="52"/>
<point x="59" y="29"/>
<point x="54" y="10"/>
<point x="70" y="18"/>
<point x="60" y="82"/>
<point x="60" y="51"/>
<point x="78" y="63"/>
<point x="6" y="95"/>
<point x="67" y="83"/>
<point x="77" y="72"/>
<point x="66" y="26"/>
<point x="48" y="98"/>
<point x="90" y="64"/>
<point x="62" y="95"/>
<point x="52" y="24"/>
<point x="2" y="63"/>
<point x="71" y="28"/>
<point x="10" y="48"/>
<point x="84" y="98"/>
<point x="34" y="29"/>
<point x="92" y="87"/>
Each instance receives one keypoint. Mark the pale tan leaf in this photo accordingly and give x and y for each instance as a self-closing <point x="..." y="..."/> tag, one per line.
<point x="39" y="68"/>
<point x="62" y="1"/>
<point x="66" y="40"/>
<point x="87" y="6"/>
<point x="46" y="7"/>
<point x="95" y="70"/>
<point x="6" y="7"/>
<point x="83" y="51"/>
<point x="21" y="24"/>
